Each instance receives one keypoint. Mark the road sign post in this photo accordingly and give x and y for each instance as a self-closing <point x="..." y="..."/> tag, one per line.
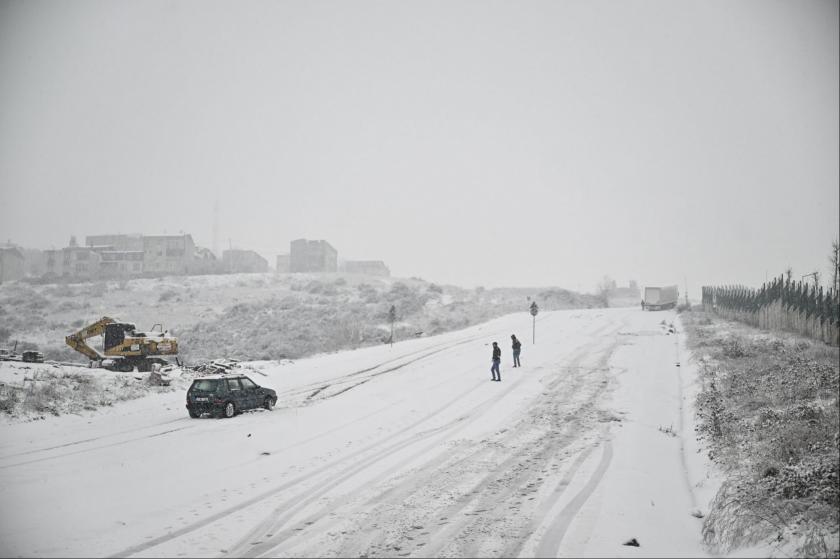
<point x="534" y="310"/>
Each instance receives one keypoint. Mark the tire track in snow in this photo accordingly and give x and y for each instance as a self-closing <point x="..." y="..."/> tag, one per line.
<point x="285" y="513"/>
<point x="325" y="469"/>
<point x="550" y="543"/>
<point x="92" y="439"/>
<point x="94" y="448"/>
<point x="436" y="468"/>
<point x="474" y="498"/>
<point x="448" y="345"/>
<point x="316" y="388"/>
<point x="530" y="476"/>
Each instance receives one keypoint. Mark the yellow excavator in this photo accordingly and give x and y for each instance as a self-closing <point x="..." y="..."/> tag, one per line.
<point x="124" y="348"/>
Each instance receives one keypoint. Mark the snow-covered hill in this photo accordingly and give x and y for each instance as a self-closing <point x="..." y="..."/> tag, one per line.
<point x="259" y="316"/>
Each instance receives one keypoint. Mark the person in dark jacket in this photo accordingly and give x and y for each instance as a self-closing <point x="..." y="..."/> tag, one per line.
<point x="517" y="347"/>
<point x="497" y="359"/>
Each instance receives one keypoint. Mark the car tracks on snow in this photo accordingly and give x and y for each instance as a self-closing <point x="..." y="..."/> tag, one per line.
<point x="437" y="494"/>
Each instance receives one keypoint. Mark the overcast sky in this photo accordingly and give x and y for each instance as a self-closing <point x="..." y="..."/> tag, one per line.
<point x="476" y="143"/>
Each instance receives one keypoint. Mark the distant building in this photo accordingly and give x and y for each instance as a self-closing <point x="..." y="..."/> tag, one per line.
<point x="33" y="262"/>
<point x="120" y="263"/>
<point x="11" y="263"/>
<point x="119" y="242"/>
<point x="206" y="262"/>
<point x="367" y="267"/>
<point x="168" y="254"/>
<point x="243" y="261"/>
<point x="52" y="262"/>
<point x="73" y="261"/>
<point x="632" y="290"/>
<point x="312" y="256"/>
<point x="283" y="266"/>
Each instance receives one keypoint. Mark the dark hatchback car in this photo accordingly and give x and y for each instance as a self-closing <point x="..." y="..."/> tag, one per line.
<point x="227" y="395"/>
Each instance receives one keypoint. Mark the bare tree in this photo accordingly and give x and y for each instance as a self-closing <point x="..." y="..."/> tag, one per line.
<point x="834" y="258"/>
<point x="789" y="273"/>
<point x="606" y="287"/>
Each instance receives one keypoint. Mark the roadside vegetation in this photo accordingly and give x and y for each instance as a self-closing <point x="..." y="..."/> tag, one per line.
<point x="244" y="317"/>
<point x="44" y="390"/>
<point x="325" y="314"/>
<point x="768" y="412"/>
<point x="259" y="316"/>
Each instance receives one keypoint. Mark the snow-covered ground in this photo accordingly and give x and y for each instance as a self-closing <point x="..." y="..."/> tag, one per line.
<point x="389" y="451"/>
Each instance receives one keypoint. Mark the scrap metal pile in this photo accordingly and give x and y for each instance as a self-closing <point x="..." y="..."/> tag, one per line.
<point x="215" y="367"/>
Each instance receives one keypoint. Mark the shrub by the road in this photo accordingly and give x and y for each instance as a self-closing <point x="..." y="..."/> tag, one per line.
<point x="325" y="314"/>
<point x="55" y="391"/>
<point x="260" y="316"/>
<point x="769" y="414"/>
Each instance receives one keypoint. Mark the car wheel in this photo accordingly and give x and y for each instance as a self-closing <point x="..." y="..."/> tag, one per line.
<point x="193" y="413"/>
<point x="269" y="403"/>
<point x="229" y="410"/>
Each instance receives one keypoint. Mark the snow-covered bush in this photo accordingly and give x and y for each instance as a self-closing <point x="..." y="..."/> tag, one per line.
<point x="770" y="415"/>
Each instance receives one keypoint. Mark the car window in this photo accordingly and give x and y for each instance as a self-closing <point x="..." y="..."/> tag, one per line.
<point x="206" y="385"/>
<point x="233" y="384"/>
<point x="247" y="383"/>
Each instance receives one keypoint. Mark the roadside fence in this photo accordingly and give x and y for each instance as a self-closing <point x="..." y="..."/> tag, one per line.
<point x="781" y="304"/>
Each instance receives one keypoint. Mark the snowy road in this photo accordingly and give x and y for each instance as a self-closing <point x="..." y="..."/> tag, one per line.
<point x="400" y="451"/>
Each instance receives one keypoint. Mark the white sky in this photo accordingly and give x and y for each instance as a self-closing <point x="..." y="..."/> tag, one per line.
<point x="476" y="143"/>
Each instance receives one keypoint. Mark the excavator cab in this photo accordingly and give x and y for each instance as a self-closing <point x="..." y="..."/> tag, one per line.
<point x="115" y="334"/>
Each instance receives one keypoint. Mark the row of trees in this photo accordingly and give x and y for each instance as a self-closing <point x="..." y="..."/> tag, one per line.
<point x="793" y="295"/>
<point x="781" y="304"/>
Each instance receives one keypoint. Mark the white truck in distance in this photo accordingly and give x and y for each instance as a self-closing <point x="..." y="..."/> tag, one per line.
<point x="657" y="298"/>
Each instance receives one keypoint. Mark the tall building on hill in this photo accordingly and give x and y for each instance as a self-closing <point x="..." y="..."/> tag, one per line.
<point x="73" y="261"/>
<point x="119" y="242"/>
<point x="312" y="256"/>
<point x="11" y="263"/>
<point x="168" y="254"/>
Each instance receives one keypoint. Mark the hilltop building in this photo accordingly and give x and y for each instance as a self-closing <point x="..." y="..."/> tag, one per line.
<point x="72" y="261"/>
<point x="33" y="262"/>
<point x="206" y="262"/>
<point x="168" y="254"/>
<point x="312" y="256"/>
<point x="11" y="263"/>
<point x="119" y="242"/>
<point x="110" y="256"/>
<point x="120" y="263"/>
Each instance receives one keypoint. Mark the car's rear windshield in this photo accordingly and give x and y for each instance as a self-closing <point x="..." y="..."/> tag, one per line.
<point x="206" y="384"/>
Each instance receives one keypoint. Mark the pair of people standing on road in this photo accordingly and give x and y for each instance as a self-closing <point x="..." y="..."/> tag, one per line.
<point x="497" y="357"/>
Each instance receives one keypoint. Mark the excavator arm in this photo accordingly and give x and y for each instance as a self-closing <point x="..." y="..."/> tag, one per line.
<point x="78" y="341"/>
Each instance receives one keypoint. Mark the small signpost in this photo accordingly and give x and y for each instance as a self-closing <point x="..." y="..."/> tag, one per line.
<point x="534" y="310"/>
